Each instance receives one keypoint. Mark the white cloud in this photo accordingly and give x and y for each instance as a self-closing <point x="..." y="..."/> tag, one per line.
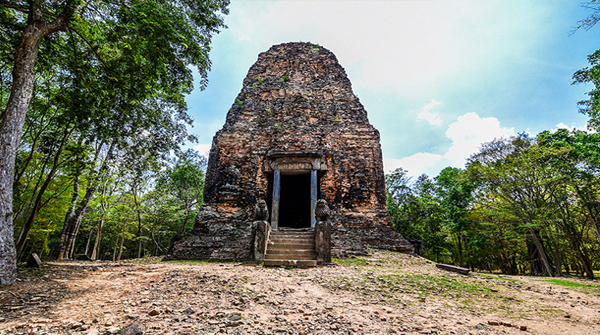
<point x="561" y="126"/>
<point x="572" y="127"/>
<point x="427" y="48"/>
<point x="417" y="164"/>
<point x="425" y="43"/>
<point x="203" y="149"/>
<point x="433" y="119"/>
<point x="467" y="134"/>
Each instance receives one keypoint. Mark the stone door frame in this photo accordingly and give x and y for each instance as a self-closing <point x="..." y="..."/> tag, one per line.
<point x="290" y="162"/>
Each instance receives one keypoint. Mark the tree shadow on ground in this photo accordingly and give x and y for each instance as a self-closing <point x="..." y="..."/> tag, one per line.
<point x="37" y="292"/>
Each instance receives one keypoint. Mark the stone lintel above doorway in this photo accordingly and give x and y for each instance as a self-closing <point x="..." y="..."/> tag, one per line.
<point x="295" y="161"/>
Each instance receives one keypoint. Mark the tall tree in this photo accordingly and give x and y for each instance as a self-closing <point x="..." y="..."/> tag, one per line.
<point x="522" y="175"/>
<point x="591" y="74"/>
<point x="185" y="183"/>
<point x="455" y="193"/>
<point x="132" y="42"/>
<point x="416" y="212"/>
<point x="36" y="29"/>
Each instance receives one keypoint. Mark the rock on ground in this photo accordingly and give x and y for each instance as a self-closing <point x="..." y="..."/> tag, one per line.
<point x="385" y="293"/>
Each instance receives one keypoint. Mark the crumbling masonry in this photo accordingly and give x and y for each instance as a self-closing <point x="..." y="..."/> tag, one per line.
<point x="295" y="133"/>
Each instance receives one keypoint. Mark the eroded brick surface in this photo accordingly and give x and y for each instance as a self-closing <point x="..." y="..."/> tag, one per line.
<point x="295" y="98"/>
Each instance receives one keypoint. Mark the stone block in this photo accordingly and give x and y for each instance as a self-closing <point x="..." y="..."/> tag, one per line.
<point x="296" y="114"/>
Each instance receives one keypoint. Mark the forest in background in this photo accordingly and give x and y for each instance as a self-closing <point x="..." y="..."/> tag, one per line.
<point x="522" y="205"/>
<point x="93" y="123"/>
<point x="100" y="173"/>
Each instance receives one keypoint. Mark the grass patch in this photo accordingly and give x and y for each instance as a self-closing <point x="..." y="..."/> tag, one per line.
<point x="350" y="261"/>
<point x="550" y="311"/>
<point x="578" y="286"/>
<point x="410" y="289"/>
<point x="564" y="282"/>
<point x="189" y="261"/>
<point x="496" y="277"/>
<point x="144" y="260"/>
<point x="442" y="285"/>
<point x="569" y="283"/>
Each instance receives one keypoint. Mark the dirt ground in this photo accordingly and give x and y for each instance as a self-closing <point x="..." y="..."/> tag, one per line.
<point x="386" y="293"/>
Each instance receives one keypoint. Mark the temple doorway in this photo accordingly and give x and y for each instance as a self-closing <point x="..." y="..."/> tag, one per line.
<point x="295" y="202"/>
<point x="295" y="186"/>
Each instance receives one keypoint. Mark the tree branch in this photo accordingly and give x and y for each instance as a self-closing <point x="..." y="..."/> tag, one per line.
<point x="589" y="22"/>
<point x="62" y="21"/>
<point x="90" y="45"/>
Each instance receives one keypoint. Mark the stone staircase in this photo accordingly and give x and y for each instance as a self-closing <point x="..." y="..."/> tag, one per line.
<point x="291" y="247"/>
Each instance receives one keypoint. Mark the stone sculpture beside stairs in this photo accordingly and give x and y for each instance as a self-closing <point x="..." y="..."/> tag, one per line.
<point x="295" y="133"/>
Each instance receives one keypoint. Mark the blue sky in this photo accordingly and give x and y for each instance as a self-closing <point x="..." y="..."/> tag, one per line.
<point x="437" y="78"/>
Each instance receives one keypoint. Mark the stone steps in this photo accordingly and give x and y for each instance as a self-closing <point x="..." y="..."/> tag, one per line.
<point x="286" y="254"/>
<point x="291" y="248"/>
<point x="291" y="263"/>
<point x="289" y="245"/>
<point x="294" y="238"/>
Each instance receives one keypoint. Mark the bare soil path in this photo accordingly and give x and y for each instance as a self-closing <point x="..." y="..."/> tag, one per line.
<point x="386" y="293"/>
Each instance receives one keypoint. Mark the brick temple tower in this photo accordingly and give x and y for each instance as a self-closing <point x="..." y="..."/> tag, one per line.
<point x="295" y="133"/>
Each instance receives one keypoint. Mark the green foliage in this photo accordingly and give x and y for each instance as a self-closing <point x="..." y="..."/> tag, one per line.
<point x="523" y="205"/>
<point x="182" y="185"/>
<point x="591" y="107"/>
<point x="591" y="74"/>
<point x="416" y="213"/>
<point x="109" y="100"/>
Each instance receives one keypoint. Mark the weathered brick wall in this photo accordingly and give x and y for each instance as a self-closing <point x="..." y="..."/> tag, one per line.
<point x="297" y="97"/>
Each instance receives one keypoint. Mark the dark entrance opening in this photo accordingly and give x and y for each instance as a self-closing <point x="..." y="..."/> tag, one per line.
<point x="294" y="205"/>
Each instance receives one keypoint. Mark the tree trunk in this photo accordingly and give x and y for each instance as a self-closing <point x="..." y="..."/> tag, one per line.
<point x="541" y="251"/>
<point x="122" y="242"/>
<point x="37" y="206"/>
<point x="114" y="258"/>
<point x="591" y="213"/>
<point x="69" y="216"/>
<point x="72" y="227"/>
<point x="103" y="207"/>
<point x="13" y="119"/>
<point x="74" y="198"/>
<point x="553" y="251"/>
<point x="585" y="261"/>
<point x="73" y="222"/>
<point x="460" y="249"/>
<point x="158" y="246"/>
<point x="139" y="219"/>
<point x="87" y="245"/>
<point x="185" y="220"/>
<point x="535" y="266"/>
<point x="139" y="254"/>
<point x="96" y="249"/>
<point x="576" y="244"/>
